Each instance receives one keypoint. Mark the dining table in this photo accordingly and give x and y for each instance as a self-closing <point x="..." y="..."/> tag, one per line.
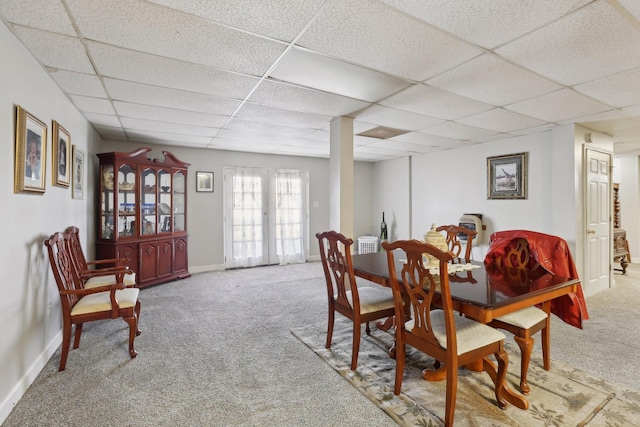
<point x="481" y="293"/>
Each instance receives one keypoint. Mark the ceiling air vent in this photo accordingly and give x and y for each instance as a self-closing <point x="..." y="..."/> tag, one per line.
<point x="382" y="132"/>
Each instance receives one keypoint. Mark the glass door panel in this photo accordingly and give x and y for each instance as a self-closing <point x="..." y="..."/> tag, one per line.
<point x="179" y="187"/>
<point x="164" y="205"/>
<point x="127" y="200"/>
<point x="148" y="202"/>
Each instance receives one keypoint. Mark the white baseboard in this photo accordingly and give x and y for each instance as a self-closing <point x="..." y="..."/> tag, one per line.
<point x="28" y="378"/>
<point x="205" y="268"/>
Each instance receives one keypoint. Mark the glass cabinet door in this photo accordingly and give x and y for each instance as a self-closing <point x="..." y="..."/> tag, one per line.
<point x="179" y="189"/>
<point x="148" y="202"/>
<point x="126" y="200"/>
<point x="164" y="205"/>
<point x="107" y="213"/>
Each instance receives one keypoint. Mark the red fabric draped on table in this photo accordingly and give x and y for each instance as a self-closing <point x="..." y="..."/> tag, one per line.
<point x="553" y="254"/>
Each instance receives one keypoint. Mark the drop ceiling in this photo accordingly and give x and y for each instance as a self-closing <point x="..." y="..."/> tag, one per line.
<point x="268" y="76"/>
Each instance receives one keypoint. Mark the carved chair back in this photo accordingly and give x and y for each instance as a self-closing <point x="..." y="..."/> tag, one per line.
<point x="453" y="233"/>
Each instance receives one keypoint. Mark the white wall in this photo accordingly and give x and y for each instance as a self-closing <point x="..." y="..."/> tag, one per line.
<point x="30" y="305"/>
<point x="626" y="173"/>
<point x="392" y="191"/>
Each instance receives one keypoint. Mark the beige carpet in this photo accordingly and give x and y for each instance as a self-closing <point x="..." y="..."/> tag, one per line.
<point x="563" y="396"/>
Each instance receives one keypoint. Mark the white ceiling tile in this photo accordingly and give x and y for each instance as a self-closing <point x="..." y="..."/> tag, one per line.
<point x="376" y="36"/>
<point x="93" y="105"/>
<point x="488" y="23"/>
<point x="435" y="102"/>
<point x="48" y="15"/>
<point x="166" y="32"/>
<point x="170" y="98"/>
<point x="282" y="19"/>
<point x="140" y="67"/>
<point x="164" y="127"/>
<point x="114" y="133"/>
<point x="590" y="43"/>
<point x="491" y="79"/>
<point x="154" y="137"/>
<point x="402" y="146"/>
<point x="103" y="120"/>
<point x="619" y="90"/>
<point x="310" y="69"/>
<point x="79" y="83"/>
<point x="501" y="120"/>
<point x="280" y="116"/>
<point x="458" y="131"/>
<point x="139" y="111"/>
<point x="564" y="104"/>
<point x="395" y="118"/>
<point x="632" y="6"/>
<point x="610" y="115"/>
<point x="319" y="135"/>
<point x="427" y="139"/>
<point x="305" y="100"/>
<point x="266" y="130"/>
<point x="55" y="50"/>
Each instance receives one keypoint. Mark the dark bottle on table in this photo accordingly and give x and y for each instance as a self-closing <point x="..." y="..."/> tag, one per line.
<point x="383" y="230"/>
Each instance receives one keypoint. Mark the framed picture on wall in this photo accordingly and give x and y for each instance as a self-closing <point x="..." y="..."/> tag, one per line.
<point x="204" y="181"/>
<point x="30" y="153"/>
<point x="77" y="172"/>
<point x="60" y="155"/>
<point x="507" y="176"/>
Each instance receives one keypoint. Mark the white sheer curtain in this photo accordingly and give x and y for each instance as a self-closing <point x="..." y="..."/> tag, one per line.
<point x="289" y="217"/>
<point x="247" y="221"/>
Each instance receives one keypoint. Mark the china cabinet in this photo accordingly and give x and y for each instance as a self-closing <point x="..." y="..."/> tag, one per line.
<point x="142" y="214"/>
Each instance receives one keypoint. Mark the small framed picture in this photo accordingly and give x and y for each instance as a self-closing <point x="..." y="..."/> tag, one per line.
<point x="204" y="181"/>
<point x="507" y="176"/>
<point x="77" y="172"/>
<point x="30" y="153"/>
<point x="60" y="155"/>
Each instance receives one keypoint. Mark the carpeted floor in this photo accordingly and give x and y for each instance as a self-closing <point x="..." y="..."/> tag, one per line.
<point x="217" y="350"/>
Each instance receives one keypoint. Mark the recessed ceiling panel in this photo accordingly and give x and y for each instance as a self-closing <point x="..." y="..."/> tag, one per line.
<point x="93" y="105"/>
<point x="501" y="120"/>
<point x="45" y="15"/>
<point x="619" y="90"/>
<point x="169" y="115"/>
<point x="281" y="116"/>
<point x="395" y="118"/>
<point x="79" y="83"/>
<point x="160" y="126"/>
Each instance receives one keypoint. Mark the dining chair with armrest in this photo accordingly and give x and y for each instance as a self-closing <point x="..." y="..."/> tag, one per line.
<point x="524" y="323"/>
<point x="360" y="305"/>
<point x="434" y="328"/>
<point x="79" y="304"/>
<point x="98" y="272"/>
<point x="454" y="244"/>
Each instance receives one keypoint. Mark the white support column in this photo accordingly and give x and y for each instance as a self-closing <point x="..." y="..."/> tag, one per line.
<point x="341" y="189"/>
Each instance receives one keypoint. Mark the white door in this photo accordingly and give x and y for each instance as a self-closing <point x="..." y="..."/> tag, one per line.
<point x="598" y="221"/>
<point x="266" y="216"/>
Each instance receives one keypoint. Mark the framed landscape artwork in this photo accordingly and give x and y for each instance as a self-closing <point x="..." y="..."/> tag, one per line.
<point x="30" y="153"/>
<point x="507" y="176"/>
<point x="60" y="155"/>
<point x="78" y="173"/>
<point x="204" y="181"/>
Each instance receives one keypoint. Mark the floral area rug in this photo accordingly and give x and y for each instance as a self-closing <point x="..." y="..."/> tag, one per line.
<point x="562" y="396"/>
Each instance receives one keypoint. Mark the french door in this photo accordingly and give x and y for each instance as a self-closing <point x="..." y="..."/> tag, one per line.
<point x="266" y="216"/>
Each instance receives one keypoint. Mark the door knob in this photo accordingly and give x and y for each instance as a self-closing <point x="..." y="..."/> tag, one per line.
<point x="591" y="231"/>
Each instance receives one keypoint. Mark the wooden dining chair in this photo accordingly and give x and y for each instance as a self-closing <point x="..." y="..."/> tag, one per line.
<point x="81" y="305"/>
<point x="434" y="327"/>
<point x="99" y="272"/>
<point x="525" y="323"/>
<point x="359" y="304"/>
<point x="453" y="233"/>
